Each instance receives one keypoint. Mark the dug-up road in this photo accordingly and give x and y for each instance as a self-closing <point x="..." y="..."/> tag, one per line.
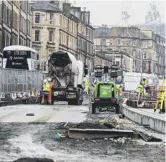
<point x="29" y="131"/>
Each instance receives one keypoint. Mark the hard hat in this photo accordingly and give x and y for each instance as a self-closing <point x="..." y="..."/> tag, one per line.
<point x="49" y="79"/>
<point x="45" y="80"/>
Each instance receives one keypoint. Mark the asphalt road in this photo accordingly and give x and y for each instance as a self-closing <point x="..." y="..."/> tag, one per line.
<point x="43" y="113"/>
<point x="28" y="136"/>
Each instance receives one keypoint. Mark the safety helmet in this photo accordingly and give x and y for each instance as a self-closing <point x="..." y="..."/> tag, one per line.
<point x="49" y="79"/>
<point x="45" y="80"/>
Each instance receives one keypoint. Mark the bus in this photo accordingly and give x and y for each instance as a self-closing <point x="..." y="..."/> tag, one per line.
<point x="20" y="57"/>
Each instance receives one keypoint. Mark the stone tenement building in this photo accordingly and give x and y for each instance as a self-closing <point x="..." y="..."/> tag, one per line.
<point x="146" y="49"/>
<point x="15" y="23"/>
<point x="59" y="26"/>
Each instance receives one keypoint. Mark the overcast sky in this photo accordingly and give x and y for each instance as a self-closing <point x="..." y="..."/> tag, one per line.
<point x="109" y="11"/>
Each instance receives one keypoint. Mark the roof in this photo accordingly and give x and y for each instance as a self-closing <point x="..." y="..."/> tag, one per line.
<point x="157" y="28"/>
<point x="45" y="6"/>
<point x="144" y="36"/>
<point x="102" y="32"/>
<point x="19" y="48"/>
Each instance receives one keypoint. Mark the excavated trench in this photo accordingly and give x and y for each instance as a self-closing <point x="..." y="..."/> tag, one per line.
<point x="100" y="149"/>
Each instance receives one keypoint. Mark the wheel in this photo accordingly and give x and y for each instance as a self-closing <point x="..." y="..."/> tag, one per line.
<point x="70" y="102"/>
<point x="75" y="102"/>
<point x="117" y="109"/>
<point x="81" y="101"/>
<point x="93" y="108"/>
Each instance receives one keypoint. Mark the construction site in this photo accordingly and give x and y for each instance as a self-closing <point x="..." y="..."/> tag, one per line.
<point x="105" y="123"/>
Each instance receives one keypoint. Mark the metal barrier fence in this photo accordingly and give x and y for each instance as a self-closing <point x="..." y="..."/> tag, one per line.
<point x="13" y="80"/>
<point x="134" y="96"/>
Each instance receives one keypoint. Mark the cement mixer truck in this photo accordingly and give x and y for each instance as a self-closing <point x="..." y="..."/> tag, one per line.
<point x="67" y="74"/>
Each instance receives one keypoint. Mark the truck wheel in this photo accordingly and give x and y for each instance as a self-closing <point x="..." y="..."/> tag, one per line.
<point x="70" y="102"/>
<point x="117" y="110"/>
<point x="93" y="108"/>
<point x="81" y="102"/>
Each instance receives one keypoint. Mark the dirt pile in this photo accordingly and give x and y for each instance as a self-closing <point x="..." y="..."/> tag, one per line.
<point x="33" y="160"/>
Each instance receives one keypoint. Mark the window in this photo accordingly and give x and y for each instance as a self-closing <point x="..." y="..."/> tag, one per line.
<point x="134" y="42"/>
<point x="145" y="45"/>
<point x="28" y="43"/>
<point x="7" y="39"/>
<point x="15" y="15"/>
<point x="119" y="41"/>
<point x="134" y="53"/>
<point x="116" y="63"/>
<point x="0" y="10"/>
<point x="0" y="41"/>
<point x="144" y="55"/>
<point x="5" y="14"/>
<point x="51" y="36"/>
<point x="37" y="18"/>
<point x="103" y="42"/>
<point x="29" y="28"/>
<point x="51" y="18"/>
<point x="14" y="39"/>
<point x="37" y="35"/>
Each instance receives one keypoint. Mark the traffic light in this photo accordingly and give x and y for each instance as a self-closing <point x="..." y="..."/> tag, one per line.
<point x="106" y="68"/>
<point x="85" y="69"/>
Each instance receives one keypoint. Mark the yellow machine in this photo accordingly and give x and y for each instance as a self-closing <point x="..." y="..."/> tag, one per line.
<point x="161" y="99"/>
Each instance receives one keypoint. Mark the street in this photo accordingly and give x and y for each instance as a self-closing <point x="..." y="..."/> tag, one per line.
<point x="29" y="131"/>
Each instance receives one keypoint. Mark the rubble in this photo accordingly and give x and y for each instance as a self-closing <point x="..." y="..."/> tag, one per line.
<point x="87" y="125"/>
<point x="33" y="160"/>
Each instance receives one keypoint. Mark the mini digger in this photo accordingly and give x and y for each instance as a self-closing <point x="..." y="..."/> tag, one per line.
<point x="104" y="96"/>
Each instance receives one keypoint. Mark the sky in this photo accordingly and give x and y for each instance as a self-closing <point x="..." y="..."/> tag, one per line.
<point x="109" y="11"/>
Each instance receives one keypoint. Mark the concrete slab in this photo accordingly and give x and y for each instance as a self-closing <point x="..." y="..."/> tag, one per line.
<point x="146" y="117"/>
<point x="98" y="133"/>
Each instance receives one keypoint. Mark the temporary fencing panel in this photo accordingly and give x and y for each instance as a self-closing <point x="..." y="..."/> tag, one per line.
<point x="12" y="80"/>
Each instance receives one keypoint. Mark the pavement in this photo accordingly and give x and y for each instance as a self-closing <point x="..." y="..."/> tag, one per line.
<point x="146" y="117"/>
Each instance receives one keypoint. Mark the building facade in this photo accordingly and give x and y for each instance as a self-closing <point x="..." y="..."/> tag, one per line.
<point x="60" y="28"/>
<point x="153" y="52"/>
<point x="85" y="37"/>
<point x="15" y="23"/>
<point x="53" y="30"/>
<point x="102" y="60"/>
<point x="140" y="46"/>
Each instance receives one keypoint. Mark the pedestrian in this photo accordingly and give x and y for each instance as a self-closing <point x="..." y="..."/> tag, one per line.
<point x="45" y="89"/>
<point x="86" y="85"/>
